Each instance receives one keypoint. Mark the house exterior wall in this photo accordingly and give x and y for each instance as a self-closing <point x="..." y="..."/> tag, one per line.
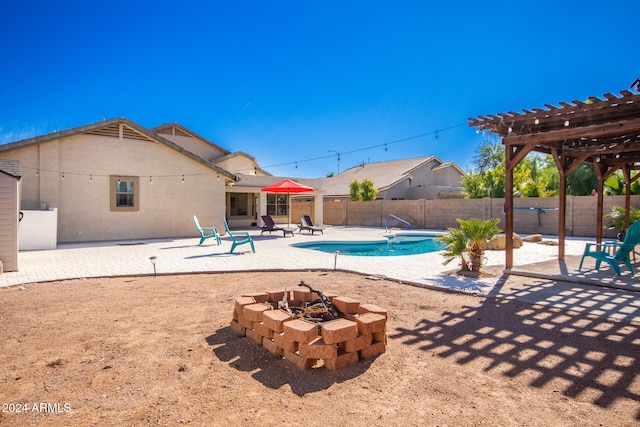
<point x="9" y="222"/>
<point x="82" y="197"/>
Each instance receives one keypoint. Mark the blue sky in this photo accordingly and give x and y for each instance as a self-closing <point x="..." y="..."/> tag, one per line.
<point x="293" y="82"/>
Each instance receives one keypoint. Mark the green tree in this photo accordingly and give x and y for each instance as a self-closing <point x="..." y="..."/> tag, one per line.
<point x="489" y="155"/>
<point x="354" y="190"/>
<point x="615" y="185"/>
<point x="368" y="190"/>
<point x="582" y="180"/>
<point x="364" y="190"/>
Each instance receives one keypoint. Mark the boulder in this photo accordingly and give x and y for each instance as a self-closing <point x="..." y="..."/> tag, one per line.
<point x="498" y="242"/>
<point x="534" y="238"/>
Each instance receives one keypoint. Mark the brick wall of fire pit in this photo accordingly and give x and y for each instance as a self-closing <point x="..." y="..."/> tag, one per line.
<point x="358" y="333"/>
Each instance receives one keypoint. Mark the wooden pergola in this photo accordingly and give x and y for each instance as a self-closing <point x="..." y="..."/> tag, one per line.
<point x="604" y="132"/>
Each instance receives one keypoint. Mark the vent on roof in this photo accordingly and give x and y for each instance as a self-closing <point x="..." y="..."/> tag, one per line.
<point x="113" y="131"/>
<point x="172" y="131"/>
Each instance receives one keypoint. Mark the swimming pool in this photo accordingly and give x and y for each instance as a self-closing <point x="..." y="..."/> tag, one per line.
<point x="393" y="245"/>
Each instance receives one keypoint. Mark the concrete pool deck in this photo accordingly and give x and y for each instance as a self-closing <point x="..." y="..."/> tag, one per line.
<point x="273" y="252"/>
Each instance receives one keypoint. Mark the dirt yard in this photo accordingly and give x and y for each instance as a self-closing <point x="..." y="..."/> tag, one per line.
<point x="145" y="350"/>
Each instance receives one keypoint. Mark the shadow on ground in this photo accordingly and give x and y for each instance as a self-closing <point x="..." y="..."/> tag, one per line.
<point x="564" y="351"/>
<point x="245" y="355"/>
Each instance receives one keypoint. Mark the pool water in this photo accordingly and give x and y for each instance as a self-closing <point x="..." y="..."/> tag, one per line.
<point x="396" y="245"/>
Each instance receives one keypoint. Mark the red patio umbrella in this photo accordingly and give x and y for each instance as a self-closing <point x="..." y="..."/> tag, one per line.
<point x="288" y="186"/>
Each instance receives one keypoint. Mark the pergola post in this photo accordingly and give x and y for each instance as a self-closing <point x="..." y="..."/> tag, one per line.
<point x="508" y="206"/>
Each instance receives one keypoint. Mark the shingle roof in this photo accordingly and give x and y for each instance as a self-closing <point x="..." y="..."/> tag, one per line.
<point x="383" y="174"/>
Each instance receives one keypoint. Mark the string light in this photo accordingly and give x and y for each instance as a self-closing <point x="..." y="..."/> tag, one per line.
<point x="150" y="180"/>
<point x="91" y="178"/>
<point x="62" y="175"/>
<point x="37" y="172"/>
<point x="566" y="123"/>
<point x="183" y="179"/>
<point x="536" y="121"/>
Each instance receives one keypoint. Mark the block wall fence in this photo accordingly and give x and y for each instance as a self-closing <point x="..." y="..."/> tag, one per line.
<point x="442" y="214"/>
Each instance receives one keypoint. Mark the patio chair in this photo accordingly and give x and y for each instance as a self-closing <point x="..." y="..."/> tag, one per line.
<point x="271" y="226"/>
<point x="238" y="237"/>
<point x="307" y="224"/>
<point x="207" y="232"/>
<point x="601" y="251"/>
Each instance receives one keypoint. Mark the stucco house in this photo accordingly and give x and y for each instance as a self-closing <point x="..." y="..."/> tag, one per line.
<point x="117" y="180"/>
<point x="406" y="179"/>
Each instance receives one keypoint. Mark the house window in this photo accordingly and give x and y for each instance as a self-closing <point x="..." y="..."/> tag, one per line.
<point x="277" y="204"/>
<point x="125" y="193"/>
<point x="238" y="204"/>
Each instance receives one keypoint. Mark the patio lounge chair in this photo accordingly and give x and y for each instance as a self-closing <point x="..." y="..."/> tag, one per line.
<point x="270" y="226"/>
<point x="207" y="232"/>
<point x="238" y="237"/>
<point x="307" y="224"/>
<point x="622" y="250"/>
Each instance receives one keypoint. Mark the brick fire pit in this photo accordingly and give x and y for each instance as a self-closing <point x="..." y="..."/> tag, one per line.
<point x="358" y="333"/>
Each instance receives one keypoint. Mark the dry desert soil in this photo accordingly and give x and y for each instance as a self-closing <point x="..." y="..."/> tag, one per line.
<point x="160" y="351"/>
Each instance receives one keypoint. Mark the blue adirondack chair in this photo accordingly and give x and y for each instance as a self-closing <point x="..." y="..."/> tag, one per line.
<point x="206" y="232"/>
<point x="600" y="251"/>
<point x="238" y="237"/>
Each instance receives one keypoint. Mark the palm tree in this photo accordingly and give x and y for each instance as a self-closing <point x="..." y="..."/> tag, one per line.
<point x="456" y="243"/>
<point x="469" y="239"/>
<point x="477" y="232"/>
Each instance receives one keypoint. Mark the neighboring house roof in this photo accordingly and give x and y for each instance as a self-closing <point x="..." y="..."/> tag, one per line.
<point x="11" y="167"/>
<point x="449" y="165"/>
<point x="111" y="128"/>
<point x="383" y="174"/>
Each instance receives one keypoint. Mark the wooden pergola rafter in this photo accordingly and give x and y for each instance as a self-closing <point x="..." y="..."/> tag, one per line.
<point x="604" y="132"/>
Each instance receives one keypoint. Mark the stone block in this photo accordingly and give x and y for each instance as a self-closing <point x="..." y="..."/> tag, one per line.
<point x="341" y="361"/>
<point x="243" y="321"/>
<point x="304" y="295"/>
<point x="300" y="331"/>
<point x="271" y="347"/>
<point x="346" y="305"/>
<point x="275" y="319"/>
<point x="371" y="308"/>
<point x="263" y="330"/>
<point x="379" y="337"/>
<point x="356" y="344"/>
<point x="242" y="301"/>
<point x="318" y="349"/>
<point x="254" y="336"/>
<point x="373" y="350"/>
<point x="258" y="296"/>
<point x="301" y="363"/>
<point x="339" y="330"/>
<point x="254" y="312"/>
<point x="238" y="328"/>
<point x="276" y="296"/>
<point x="368" y="323"/>
<point x="285" y="343"/>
